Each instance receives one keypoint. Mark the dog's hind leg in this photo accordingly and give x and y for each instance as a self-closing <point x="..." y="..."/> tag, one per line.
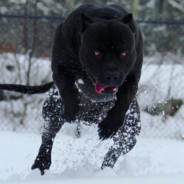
<point x="125" y="138"/>
<point x="52" y="113"/>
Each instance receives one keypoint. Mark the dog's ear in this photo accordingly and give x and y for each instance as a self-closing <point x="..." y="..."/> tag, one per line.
<point x="128" y="19"/>
<point x="86" y="21"/>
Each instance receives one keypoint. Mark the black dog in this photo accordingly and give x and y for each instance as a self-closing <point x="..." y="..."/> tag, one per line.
<point x="96" y="64"/>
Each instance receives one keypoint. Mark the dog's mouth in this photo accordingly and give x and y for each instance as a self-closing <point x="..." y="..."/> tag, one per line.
<point x="99" y="88"/>
<point x="104" y="89"/>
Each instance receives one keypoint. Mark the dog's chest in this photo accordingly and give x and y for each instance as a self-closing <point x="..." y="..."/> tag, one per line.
<point x="89" y="111"/>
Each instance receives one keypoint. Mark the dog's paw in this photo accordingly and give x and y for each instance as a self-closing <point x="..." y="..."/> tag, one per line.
<point x="42" y="163"/>
<point x="108" y="127"/>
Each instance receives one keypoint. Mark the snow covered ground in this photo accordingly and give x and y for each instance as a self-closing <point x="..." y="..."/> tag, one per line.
<point x="78" y="160"/>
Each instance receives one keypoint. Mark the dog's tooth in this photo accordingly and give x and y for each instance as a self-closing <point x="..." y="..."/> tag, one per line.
<point x="114" y="89"/>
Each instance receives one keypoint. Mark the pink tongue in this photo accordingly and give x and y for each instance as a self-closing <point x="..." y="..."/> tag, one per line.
<point x="99" y="88"/>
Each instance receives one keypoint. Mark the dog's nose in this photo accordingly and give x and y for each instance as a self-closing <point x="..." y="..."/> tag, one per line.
<point x="112" y="77"/>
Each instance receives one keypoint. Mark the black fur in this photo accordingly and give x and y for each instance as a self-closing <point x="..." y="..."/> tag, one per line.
<point x="96" y="64"/>
<point x="110" y="30"/>
<point x="27" y="89"/>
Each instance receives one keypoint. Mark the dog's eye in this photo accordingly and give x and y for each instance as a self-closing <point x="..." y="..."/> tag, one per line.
<point x="96" y="53"/>
<point x="123" y="54"/>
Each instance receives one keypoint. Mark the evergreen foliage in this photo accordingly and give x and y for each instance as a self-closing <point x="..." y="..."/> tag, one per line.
<point x="36" y="35"/>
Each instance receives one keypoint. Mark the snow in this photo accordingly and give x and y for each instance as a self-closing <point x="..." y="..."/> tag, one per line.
<point x="176" y="5"/>
<point x="17" y="1"/>
<point x="40" y="69"/>
<point x="78" y="160"/>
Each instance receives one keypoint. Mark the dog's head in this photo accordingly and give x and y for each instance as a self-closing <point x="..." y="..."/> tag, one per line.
<point x="107" y="51"/>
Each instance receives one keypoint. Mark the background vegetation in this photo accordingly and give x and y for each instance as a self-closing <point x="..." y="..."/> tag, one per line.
<point x="35" y="36"/>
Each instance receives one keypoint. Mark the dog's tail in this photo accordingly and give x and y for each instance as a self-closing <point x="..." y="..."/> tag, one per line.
<point x="27" y="89"/>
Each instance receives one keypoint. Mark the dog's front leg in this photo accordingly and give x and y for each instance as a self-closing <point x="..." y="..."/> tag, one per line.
<point x="43" y="159"/>
<point x="115" y="116"/>
<point x="125" y="138"/>
<point x="69" y="94"/>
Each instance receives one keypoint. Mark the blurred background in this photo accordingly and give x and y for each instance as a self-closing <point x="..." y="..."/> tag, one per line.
<point x="27" y="29"/>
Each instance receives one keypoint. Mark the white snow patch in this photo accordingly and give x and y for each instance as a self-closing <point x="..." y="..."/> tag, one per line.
<point x="80" y="81"/>
<point x="78" y="160"/>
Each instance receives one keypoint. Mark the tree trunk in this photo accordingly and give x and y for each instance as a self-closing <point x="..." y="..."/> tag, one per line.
<point x="135" y="8"/>
<point x="160" y="9"/>
<point x="25" y="34"/>
<point x="33" y="44"/>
